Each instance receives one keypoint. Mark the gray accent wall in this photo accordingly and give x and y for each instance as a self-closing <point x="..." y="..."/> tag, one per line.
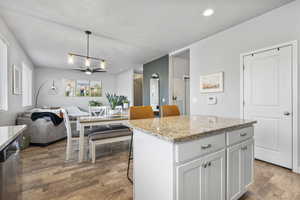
<point x="17" y="56"/>
<point x="161" y="67"/>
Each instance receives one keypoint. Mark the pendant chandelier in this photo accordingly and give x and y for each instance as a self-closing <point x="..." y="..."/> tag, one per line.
<point x="89" y="61"/>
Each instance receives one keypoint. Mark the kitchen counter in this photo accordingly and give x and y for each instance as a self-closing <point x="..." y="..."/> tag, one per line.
<point x="192" y="157"/>
<point x="9" y="134"/>
<point x="185" y="128"/>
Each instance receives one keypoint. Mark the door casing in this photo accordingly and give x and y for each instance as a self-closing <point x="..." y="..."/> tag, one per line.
<point x="295" y="121"/>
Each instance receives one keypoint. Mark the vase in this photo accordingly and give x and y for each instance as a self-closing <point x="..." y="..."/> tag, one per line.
<point x="125" y="106"/>
<point x="114" y="111"/>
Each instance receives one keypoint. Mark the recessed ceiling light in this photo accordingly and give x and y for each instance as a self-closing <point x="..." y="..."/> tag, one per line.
<point x="208" y="12"/>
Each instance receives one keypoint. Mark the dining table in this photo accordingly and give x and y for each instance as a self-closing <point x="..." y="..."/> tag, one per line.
<point x="90" y="121"/>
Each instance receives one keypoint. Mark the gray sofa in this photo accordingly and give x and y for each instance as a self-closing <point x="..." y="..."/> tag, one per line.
<point x="42" y="131"/>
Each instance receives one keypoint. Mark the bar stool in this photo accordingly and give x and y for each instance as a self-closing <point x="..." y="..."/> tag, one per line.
<point x="137" y="112"/>
<point x="169" y="110"/>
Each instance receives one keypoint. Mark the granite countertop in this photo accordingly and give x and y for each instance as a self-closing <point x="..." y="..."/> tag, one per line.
<point x="185" y="128"/>
<point x="9" y="134"/>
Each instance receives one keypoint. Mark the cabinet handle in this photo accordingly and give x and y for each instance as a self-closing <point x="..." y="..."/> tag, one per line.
<point x="206" y="146"/>
<point x="209" y="164"/>
<point x="204" y="165"/>
<point x="243" y="134"/>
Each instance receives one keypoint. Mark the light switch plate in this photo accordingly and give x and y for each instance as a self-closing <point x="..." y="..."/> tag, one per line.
<point x="211" y="100"/>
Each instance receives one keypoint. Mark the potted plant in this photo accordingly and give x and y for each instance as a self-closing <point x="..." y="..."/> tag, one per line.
<point x="115" y="100"/>
<point x="94" y="103"/>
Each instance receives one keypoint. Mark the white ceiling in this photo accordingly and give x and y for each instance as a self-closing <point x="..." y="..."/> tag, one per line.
<point x="127" y="33"/>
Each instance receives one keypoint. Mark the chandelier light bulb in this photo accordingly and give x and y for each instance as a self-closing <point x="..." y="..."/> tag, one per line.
<point x="70" y="59"/>
<point x="87" y="62"/>
<point x="102" y="64"/>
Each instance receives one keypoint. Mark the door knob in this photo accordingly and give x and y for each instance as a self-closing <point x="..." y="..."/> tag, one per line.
<point x="286" y="113"/>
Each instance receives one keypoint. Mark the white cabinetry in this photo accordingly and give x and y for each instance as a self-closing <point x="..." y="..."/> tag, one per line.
<point x="202" y="179"/>
<point x="239" y="169"/>
<point x="193" y="170"/>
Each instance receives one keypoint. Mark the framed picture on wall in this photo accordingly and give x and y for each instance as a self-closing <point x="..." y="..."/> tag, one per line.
<point x="96" y="88"/>
<point x="82" y="88"/>
<point x="70" y="86"/>
<point x="17" y="82"/>
<point x="212" y="83"/>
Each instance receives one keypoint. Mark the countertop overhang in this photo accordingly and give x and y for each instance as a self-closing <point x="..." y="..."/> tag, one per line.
<point x="9" y="133"/>
<point x="186" y="128"/>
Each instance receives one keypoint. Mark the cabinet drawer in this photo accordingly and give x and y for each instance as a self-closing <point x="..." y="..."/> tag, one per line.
<point x="239" y="135"/>
<point x="188" y="150"/>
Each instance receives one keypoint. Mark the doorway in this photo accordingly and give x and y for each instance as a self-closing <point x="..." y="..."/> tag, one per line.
<point x="138" y="89"/>
<point x="180" y="81"/>
<point x="269" y="89"/>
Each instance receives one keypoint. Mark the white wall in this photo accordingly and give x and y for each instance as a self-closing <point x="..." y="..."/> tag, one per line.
<point x="58" y="75"/>
<point x="221" y="52"/>
<point x="124" y="84"/>
<point x="16" y="55"/>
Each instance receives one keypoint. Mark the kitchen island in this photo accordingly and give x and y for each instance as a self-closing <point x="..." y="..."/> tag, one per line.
<point x="192" y="158"/>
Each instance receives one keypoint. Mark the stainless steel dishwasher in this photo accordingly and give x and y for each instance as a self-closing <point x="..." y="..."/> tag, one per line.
<point x="10" y="171"/>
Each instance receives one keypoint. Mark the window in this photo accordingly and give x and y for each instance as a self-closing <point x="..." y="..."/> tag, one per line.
<point x="3" y="76"/>
<point x="26" y="85"/>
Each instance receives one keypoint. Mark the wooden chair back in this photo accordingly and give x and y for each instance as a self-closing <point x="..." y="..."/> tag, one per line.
<point x="140" y="112"/>
<point x="169" y="110"/>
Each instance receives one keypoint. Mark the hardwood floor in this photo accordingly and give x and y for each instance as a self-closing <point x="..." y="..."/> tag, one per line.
<point x="46" y="176"/>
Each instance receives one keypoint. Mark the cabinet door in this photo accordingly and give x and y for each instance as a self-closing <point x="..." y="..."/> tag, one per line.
<point x="248" y="157"/>
<point x="190" y="180"/>
<point x="215" y="176"/>
<point x="234" y="171"/>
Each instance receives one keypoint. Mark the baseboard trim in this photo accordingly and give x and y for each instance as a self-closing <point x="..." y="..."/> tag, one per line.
<point x="297" y="170"/>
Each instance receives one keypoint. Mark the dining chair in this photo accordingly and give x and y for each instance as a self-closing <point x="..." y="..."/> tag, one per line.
<point x="137" y="112"/>
<point x="70" y="137"/>
<point x="169" y="110"/>
<point x="73" y="133"/>
<point x="98" y="110"/>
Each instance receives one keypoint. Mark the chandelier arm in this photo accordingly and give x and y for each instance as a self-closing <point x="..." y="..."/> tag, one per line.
<point x="87" y="57"/>
<point x="78" y="55"/>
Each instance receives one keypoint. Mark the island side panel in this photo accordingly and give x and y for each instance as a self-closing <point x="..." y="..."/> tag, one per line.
<point x="153" y="167"/>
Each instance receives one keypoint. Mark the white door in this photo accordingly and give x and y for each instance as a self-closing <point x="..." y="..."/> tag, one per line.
<point x="215" y="176"/>
<point x="180" y="72"/>
<point x="239" y="169"/>
<point x="247" y="167"/>
<point x="268" y="99"/>
<point x="191" y="180"/>
<point x="202" y="179"/>
<point x="234" y="172"/>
